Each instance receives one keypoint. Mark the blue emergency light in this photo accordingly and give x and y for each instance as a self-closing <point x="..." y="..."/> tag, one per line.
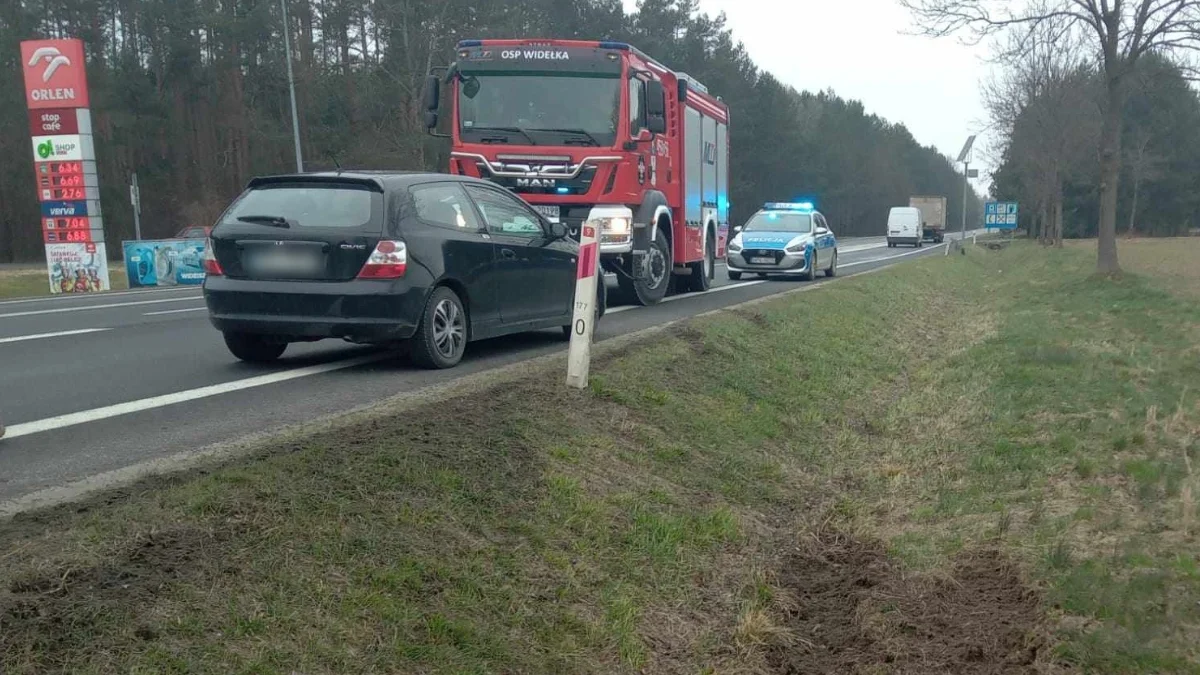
<point x="803" y="207"/>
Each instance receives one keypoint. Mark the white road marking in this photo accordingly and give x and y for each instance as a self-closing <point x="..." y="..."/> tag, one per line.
<point x="730" y="287"/>
<point x="892" y="257"/>
<point x="673" y="298"/>
<point x="176" y="311"/>
<point x="39" y="336"/>
<point x="85" y="308"/>
<point x="72" y="419"/>
<point x="92" y="296"/>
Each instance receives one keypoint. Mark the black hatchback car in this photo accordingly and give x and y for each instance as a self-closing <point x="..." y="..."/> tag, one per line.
<point x="380" y="258"/>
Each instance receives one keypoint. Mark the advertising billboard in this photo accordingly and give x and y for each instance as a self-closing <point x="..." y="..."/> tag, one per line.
<point x="164" y="262"/>
<point x="77" y="267"/>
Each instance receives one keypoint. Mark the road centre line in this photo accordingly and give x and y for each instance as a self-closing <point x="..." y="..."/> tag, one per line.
<point x="92" y="296"/>
<point x="106" y="412"/>
<point x="85" y="308"/>
<point x="176" y="311"/>
<point x="40" y="336"/>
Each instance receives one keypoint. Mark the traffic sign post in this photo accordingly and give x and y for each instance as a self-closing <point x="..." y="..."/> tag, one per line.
<point x="64" y="157"/>
<point x="583" y="324"/>
<point x="1000" y="215"/>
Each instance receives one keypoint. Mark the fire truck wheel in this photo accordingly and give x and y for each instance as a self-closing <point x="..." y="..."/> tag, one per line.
<point x="651" y="289"/>
<point x="702" y="272"/>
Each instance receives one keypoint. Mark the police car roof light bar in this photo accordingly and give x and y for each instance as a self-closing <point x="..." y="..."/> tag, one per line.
<point x="789" y="206"/>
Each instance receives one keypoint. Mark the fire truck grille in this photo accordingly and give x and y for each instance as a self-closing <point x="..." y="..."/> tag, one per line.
<point x="545" y="182"/>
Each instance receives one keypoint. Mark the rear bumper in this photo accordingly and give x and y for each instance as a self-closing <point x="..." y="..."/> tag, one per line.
<point x="904" y="240"/>
<point x="358" y="310"/>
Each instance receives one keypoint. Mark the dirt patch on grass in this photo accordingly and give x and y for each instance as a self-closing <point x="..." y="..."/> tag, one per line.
<point x="53" y="616"/>
<point x="856" y="611"/>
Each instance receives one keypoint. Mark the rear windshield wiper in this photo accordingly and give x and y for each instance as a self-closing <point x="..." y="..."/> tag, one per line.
<point x="273" y="221"/>
<point x="577" y="132"/>
<point x="511" y="130"/>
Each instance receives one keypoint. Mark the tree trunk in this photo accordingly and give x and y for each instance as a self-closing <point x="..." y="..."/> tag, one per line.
<point x="1058" y="211"/>
<point x="1133" y="205"/>
<point x="1058" y="220"/>
<point x="1110" y="169"/>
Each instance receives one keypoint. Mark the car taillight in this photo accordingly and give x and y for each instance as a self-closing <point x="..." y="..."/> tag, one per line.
<point x="209" y="261"/>
<point x="389" y="260"/>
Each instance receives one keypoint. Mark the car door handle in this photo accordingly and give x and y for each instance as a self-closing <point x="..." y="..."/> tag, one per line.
<point x="508" y="253"/>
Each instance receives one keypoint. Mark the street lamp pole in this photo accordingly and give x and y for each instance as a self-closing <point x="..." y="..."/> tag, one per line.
<point x="966" y="182"/>
<point x="287" y="46"/>
<point x="965" y="158"/>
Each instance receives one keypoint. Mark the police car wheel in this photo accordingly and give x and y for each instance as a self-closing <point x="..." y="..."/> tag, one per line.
<point x="831" y="271"/>
<point x="733" y="276"/>
<point x="811" y="274"/>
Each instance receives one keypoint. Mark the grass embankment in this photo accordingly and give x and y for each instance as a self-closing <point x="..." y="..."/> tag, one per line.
<point x="22" y="283"/>
<point x="967" y="464"/>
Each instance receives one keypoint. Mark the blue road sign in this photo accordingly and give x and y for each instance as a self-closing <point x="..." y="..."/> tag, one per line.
<point x="1000" y="215"/>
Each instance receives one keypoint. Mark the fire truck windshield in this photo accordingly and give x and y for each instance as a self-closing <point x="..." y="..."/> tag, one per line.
<point x="542" y="109"/>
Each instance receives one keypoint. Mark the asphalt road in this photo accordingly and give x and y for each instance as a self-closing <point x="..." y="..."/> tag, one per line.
<point x="99" y="383"/>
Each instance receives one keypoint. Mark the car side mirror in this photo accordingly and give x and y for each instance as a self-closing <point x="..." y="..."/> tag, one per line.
<point x="559" y="230"/>
<point x="656" y="107"/>
<point x="822" y="230"/>
<point x="736" y="229"/>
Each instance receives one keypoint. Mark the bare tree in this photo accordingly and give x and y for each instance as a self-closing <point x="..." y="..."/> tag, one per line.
<point x="1045" y="110"/>
<point x="1144" y="164"/>
<point x="1118" y="32"/>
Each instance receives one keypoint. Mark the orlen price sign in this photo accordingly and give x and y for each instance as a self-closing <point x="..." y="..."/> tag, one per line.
<point x="64" y="160"/>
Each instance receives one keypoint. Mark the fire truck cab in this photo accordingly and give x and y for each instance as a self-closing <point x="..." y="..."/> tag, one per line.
<point x="597" y="132"/>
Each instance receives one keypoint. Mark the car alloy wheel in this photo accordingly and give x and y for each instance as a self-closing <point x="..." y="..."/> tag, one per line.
<point x="449" y="328"/>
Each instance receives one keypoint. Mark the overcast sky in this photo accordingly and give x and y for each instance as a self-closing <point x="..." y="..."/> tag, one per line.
<point x="858" y="48"/>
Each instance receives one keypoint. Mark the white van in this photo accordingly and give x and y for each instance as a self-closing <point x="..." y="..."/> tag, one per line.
<point x="904" y="226"/>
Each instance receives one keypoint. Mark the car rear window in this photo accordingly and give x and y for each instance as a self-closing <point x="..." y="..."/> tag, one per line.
<point x="339" y="206"/>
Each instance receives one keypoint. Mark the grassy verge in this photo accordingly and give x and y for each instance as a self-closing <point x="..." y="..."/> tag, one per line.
<point x="967" y="464"/>
<point x="34" y="283"/>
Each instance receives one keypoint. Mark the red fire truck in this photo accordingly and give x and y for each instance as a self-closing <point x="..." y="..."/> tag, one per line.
<point x="597" y="132"/>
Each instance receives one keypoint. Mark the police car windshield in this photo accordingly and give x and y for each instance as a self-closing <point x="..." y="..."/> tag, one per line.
<point x="539" y="109"/>
<point x="780" y="221"/>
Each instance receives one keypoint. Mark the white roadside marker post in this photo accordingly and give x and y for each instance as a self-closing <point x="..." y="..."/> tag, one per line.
<point x="583" y="324"/>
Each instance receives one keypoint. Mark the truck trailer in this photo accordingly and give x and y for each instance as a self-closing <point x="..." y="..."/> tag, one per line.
<point x="597" y="132"/>
<point x="933" y="216"/>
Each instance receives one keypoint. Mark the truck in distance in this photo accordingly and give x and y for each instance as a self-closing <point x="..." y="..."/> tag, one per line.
<point x="933" y="216"/>
<point x="597" y="132"/>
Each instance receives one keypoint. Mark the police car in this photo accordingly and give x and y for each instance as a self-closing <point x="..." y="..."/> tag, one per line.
<point x="783" y="238"/>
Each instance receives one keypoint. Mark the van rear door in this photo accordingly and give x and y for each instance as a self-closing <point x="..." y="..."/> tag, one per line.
<point x="302" y="228"/>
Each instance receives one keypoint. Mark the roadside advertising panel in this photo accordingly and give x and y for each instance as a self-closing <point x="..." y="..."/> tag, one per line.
<point x="164" y="262"/>
<point x="77" y="267"/>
